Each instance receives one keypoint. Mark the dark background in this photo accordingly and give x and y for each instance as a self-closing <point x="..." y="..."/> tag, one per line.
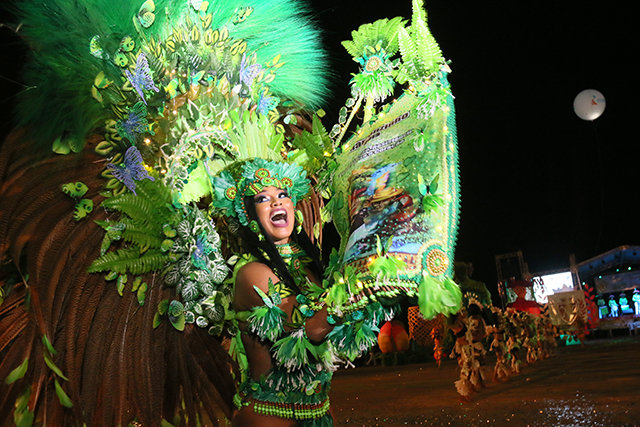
<point x="534" y="177"/>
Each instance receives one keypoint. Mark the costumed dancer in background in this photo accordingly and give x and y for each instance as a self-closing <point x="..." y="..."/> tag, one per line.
<point x="469" y="330"/>
<point x="437" y="335"/>
<point x="551" y="334"/>
<point x="463" y="352"/>
<point x="524" y="334"/>
<point x="624" y="304"/>
<point x="478" y="332"/>
<point x="513" y="340"/>
<point x="499" y="346"/>
<point x="603" y="310"/>
<point x="613" y="305"/>
<point x="546" y="337"/>
<point x="530" y="341"/>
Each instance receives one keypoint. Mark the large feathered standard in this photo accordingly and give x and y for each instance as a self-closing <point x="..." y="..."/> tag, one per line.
<point x="119" y="368"/>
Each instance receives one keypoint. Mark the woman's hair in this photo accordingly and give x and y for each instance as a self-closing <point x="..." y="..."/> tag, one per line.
<point x="267" y="253"/>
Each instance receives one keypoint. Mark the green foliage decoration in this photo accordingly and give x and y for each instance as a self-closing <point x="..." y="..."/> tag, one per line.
<point x="139" y="227"/>
<point x="22" y="417"/>
<point x="63" y="398"/>
<point x="382" y="33"/>
<point x="142" y="247"/>
<point x="311" y="150"/>
<point x="421" y="55"/>
<point x="178" y="241"/>
<point x="17" y="372"/>
<point x="372" y="46"/>
<point x="198" y="270"/>
<point x="357" y="332"/>
<point x="130" y="260"/>
<point x="385" y="265"/>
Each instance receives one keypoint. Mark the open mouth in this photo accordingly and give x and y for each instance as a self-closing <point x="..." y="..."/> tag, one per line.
<point x="279" y="218"/>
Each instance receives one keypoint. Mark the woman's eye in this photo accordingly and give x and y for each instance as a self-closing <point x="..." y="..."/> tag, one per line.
<point x="260" y="199"/>
<point x="283" y="195"/>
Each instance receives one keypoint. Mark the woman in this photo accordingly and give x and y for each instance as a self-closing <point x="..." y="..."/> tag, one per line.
<point x="285" y="362"/>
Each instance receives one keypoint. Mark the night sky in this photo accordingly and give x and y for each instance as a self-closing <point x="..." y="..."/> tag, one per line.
<point x="534" y="177"/>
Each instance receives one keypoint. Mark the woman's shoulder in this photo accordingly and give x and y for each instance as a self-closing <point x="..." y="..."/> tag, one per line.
<point x="249" y="275"/>
<point x="255" y="273"/>
<point x="254" y="267"/>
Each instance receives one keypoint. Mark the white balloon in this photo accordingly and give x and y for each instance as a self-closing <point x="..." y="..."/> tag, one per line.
<point x="589" y="104"/>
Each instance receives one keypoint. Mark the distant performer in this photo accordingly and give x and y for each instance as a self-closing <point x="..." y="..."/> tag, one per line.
<point x="636" y="301"/>
<point x="613" y="305"/>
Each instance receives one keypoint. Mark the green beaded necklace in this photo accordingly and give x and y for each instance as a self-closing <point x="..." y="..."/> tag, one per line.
<point x="297" y="260"/>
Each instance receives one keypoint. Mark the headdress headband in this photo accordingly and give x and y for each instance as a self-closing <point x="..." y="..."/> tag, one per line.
<point x="257" y="174"/>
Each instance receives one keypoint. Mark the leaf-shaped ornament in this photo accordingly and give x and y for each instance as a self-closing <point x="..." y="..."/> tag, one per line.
<point x="146" y="15"/>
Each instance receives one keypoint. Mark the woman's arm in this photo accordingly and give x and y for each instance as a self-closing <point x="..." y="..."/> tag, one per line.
<point x="317" y="327"/>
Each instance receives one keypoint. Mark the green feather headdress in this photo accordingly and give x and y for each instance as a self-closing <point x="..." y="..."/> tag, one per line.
<point x="230" y="191"/>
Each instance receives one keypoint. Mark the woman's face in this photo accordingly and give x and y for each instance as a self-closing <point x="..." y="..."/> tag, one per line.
<point x="274" y="210"/>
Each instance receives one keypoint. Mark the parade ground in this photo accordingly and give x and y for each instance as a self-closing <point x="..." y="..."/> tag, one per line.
<point x="596" y="384"/>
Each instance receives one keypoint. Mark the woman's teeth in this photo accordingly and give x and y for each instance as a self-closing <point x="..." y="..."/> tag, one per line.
<point x="279" y="217"/>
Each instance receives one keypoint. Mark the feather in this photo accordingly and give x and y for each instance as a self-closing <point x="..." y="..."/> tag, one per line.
<point x="267" y="322"/>
<point x="119" y="368"/>
<point x="382" y="33"/>
<point x="61" y="68"/>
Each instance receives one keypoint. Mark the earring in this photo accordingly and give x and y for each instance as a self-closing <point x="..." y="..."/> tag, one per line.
<point x="255" y="227"/>
<point x="299" y="221"/>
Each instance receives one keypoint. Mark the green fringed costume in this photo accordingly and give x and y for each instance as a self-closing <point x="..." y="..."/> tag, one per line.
<point x="146" y="126"/>
<point x="297" y="387"/>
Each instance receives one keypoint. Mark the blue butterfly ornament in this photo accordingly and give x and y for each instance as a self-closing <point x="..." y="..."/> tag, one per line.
<point x="141" y="77"/>
<point x="131" y="169"/>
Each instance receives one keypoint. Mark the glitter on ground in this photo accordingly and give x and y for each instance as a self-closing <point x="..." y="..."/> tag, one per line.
<point x="594" y="385"/>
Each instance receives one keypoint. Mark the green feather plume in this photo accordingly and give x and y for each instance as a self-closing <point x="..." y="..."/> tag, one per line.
<point x="382" y="33"/>
<point x="293" y="351"/>
<point x="438" y="296"/>
<point x="267" y="322"/>
<point x="62" y="70"/>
